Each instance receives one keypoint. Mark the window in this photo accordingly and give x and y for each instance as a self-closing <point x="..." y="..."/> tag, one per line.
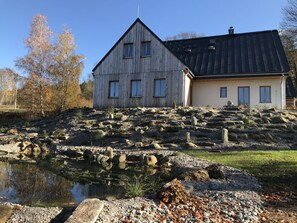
<point x="265" y="94"/>
<point x="136" y="88"/>
<point x="223" y="92"/>
<point x="145" y="49"/>
<point x="128" y="50"/>
<point x="160" y="88"/>
<point x="114" y="89"/>
<point x="244" y="96"/>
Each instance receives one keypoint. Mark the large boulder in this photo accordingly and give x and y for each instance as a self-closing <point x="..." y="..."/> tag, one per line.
<point x="109" y="152"/>
<point x="215" y="171"/>
<point x="195" y="175"/>
<point x="97" y="134"/>
<point x="279" y="120"/>
<point x="156" y="145"/>
<point x="151" y="160"/>
<point x="120" y="158"/>
<point x="101" y="159"/>
<point x="88" y="156"/>
<point x="194" y="121"/>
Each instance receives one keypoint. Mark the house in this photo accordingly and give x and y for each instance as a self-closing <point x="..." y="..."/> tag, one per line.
<point x="142" y="70"/>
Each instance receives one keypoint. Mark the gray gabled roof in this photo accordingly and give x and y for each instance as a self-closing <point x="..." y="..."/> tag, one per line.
<point x="245" y="54"/>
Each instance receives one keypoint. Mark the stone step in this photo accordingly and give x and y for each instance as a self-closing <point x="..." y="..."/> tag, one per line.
<point x="206" y="143"/>
<point x="217" y="119"/>
<point x="87" y="211"/>
<point x="215" y="124"/>
<point x="207" y="130"/>
<point x="274" y="126"/>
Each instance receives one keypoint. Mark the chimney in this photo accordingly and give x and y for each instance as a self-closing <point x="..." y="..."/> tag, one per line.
<point x="231" y="30"/>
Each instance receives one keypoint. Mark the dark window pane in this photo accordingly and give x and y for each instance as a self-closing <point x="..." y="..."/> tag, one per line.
<point x="223" y="92"/>
<point x="265" y="94"/>
<point x="243" y="96"/>
<point x="145" y="49"/>
<point x="128" y="50"/>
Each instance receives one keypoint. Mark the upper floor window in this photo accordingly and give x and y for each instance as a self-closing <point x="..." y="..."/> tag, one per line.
<point x="114" y="89"/>
<point x="160" y="88"/>
<point x="265" y="94"/>
<point x="128" y="50"/>
<point x="145" y="49"/>
<point x="223" y="92"/>
<point x="136" y="88"/>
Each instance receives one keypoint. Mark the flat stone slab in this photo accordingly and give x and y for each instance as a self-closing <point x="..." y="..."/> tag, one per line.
<point x="86" y="212"/>
<point x="5" y="213"/>
<point x="10" y="148"/>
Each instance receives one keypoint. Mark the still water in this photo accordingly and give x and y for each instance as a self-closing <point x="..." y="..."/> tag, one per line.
<point x="29" y="184"/>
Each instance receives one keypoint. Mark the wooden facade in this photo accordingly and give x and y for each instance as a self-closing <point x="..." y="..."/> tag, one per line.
<point x="161" y="64"/>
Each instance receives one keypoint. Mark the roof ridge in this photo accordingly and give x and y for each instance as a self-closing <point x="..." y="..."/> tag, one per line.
<point x="224" y="35"/>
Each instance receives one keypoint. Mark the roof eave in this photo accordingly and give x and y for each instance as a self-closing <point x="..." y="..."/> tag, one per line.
<point x="201" y="77"/>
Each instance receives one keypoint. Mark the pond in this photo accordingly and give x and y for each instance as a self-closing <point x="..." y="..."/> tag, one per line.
<point x="36" y="185"/>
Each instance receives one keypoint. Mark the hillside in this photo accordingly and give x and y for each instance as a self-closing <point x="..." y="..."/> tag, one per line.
<point x="161" y="128"/>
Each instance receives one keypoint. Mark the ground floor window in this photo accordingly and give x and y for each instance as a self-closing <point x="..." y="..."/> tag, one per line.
<point x="114" y="89"/>
<point x="223" y="92"/>
<point x="136" y="88"/>
<point x="160" y="88"/>
<point x="244" y="96"/>
<point x="265" y="94"/>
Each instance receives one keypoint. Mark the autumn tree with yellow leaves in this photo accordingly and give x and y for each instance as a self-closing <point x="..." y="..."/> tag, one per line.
<point x="67" y="69"/>
<point x="53" y="70"/>
<point x="37" y="63"/>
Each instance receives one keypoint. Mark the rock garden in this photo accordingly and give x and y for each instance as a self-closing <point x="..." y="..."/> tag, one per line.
<point x="135" y="158"/>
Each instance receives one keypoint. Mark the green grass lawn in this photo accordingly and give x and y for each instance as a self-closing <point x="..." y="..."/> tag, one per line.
<point x="276" y="170"/>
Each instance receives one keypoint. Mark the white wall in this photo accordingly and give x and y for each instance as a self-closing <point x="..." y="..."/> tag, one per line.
<point x="207" y="92"/>
<point x="187" y="90"/>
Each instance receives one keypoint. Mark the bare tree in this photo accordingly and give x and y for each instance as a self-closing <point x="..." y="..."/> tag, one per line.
<point x="288" y="35"/>
<point x="290" y="16"/>
<point x="184" y="35"/>
<point x="8" y="86"/>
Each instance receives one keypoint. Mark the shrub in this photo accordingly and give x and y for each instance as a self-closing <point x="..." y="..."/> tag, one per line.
<point x="110" y="110"/>
<point x="58" y="133"/>
<point x="174" y="105"/>
<point x="78" y="114"/>
<point x="138" y="186"/>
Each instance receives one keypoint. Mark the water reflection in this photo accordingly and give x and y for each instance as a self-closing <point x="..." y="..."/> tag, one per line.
<point x="28" y="184"/>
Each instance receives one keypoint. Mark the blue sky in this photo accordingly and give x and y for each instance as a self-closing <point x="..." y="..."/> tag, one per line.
<point x="98" y="24"/>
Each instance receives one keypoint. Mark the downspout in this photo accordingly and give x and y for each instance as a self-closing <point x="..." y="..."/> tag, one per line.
<point x="94" y="89"/>
<point x="184" y="89"/>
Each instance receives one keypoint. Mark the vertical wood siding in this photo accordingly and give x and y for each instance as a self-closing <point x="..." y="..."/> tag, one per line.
<point x="161" y="64"/>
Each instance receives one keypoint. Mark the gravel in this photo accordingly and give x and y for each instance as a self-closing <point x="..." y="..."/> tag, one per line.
<point x="27" y="214"/>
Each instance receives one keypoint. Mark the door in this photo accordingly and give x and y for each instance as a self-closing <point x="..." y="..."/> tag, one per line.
<point x="244" y="96"/>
